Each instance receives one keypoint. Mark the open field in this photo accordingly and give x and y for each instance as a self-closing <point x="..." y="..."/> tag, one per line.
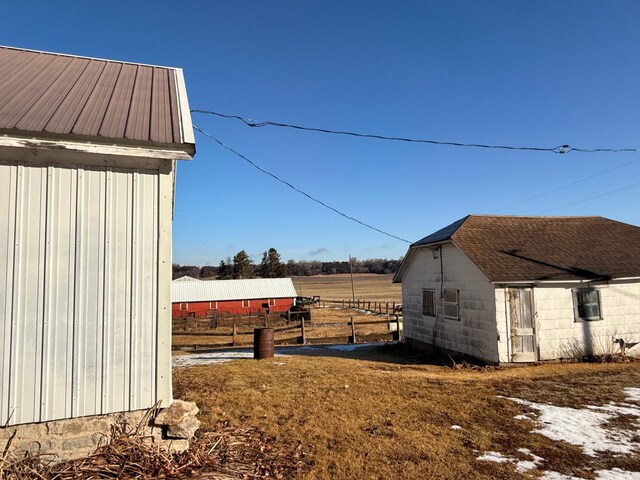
<point x="387" y="414"/>
<point x="368" y="286"/>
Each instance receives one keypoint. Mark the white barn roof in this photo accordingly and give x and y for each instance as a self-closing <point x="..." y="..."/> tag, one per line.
<point x="220" y="290"/>
<point x="187" y="278"/>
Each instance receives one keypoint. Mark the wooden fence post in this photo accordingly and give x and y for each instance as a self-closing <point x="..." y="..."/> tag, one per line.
<point x="234" y="332"/>
<point x="352" y="339"/>
<point x="303" y="334"/>
<point x="387" y="308"/>
<point x="288" y="316"/>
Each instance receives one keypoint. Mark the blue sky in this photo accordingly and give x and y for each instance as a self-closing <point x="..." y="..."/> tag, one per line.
<point x="523" y="73"/>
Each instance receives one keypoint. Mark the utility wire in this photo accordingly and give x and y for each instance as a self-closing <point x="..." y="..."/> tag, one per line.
<point x="610" y="192"/>
<point x="275" y="177"/>
<point x="559" y="149"/>
<point x="570" y="184"/>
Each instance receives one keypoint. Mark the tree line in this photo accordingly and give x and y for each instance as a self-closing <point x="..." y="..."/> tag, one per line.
<point x="271" y="266"/>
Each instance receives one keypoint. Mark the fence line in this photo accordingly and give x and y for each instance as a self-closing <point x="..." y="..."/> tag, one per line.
<point x="301" y="339"/>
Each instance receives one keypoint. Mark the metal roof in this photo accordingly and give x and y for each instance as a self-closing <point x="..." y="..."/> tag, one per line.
<point x="220" y="290"/>
<point x="186" y="278"/>
<point x="56" y="94"/>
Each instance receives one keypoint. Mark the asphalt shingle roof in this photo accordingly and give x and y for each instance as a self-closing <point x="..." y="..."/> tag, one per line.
<point x="508" y="248"/>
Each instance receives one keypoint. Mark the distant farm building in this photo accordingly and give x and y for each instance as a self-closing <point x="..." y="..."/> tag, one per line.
<point x="87" y="160"/>
<point x="210" y="297"/>
<point x="521" y="289"/>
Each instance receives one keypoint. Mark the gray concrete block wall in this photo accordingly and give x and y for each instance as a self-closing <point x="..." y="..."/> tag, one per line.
<point x="556" y="326"/>
<point x="475" y="334"/>
<point x="62" y="440"/>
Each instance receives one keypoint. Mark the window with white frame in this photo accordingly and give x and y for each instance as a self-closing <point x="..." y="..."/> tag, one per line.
<point x="429" y="303"/>
<point x="246" y="303"/>
<point x="586" y="304"/>
<point x="272" y="302"/>
<point x="450" y="303"/>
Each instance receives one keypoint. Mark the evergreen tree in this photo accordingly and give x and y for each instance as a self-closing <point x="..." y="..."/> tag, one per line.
<point x="242" y="265"/>
<point x="225" y="271"/>
<point x="271" y="266"/>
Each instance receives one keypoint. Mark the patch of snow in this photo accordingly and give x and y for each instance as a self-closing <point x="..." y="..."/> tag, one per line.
<point x="616" y="474"/>
<point x="456" y="427"/>
<point x="632" y="394"/>
<point x="583" y="427"/>
<point x="533" y="456"/>
<point x="210" y="358"/>
<point x="525" y="465"/>
<point x="522" y="466"/>
<point x="551" y="475"/>
<point x="525" y="416"/>
<point x="494" y="457"/>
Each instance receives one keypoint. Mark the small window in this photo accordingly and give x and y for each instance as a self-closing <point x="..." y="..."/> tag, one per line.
<point x="586" y="304"/>
<point x="450" y="301"/>
<point x="246" y="303"/>
<point x="272" y="302"/>
<point x="429" y="303"/>
<point x="184" y="307"/>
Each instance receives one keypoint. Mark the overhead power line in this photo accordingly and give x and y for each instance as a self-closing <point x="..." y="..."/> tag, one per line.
<point x="610" y="192"/>
<point x="559" y="149"/>
<point x="310" y="197"/>
<point x="566" y="185"/>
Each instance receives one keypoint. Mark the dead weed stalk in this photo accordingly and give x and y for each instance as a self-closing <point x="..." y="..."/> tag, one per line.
<point x="231" y="453"/>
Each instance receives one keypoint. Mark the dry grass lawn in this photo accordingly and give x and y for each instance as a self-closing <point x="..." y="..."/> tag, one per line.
<point x="387" y="414"/>
<point x="367" y="286"/>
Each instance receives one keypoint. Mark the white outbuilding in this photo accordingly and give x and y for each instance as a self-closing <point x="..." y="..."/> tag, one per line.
<point x="87" y="160"/>
<point x="522" y="289"/>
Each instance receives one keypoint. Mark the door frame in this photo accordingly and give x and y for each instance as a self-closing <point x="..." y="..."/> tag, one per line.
<point x="523" y="356"/>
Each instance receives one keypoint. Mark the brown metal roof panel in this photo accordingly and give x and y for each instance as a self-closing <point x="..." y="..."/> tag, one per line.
<point x="175" y="112"/>
<point x="70" y="108"/>
<point x="28" y="91"/>
<point x="47" y="105"/>
<point x="115" y="118"/>
<point x="161" y="130"/>
<point x="93" y="112"/>
<point x="20" y="84"/>
<point x="139" y="113"/>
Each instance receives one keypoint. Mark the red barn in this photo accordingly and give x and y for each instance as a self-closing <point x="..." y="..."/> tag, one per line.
<point x="202" y="298"/>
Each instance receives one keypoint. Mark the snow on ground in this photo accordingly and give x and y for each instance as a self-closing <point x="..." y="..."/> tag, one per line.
<point x="522" y="466"/>
<point x="585" y="427"/>
<point x="208" y="358"/>
<point x="633" y="394"/>
<point x="613" y="474"/>
<point x="222" y="356"/>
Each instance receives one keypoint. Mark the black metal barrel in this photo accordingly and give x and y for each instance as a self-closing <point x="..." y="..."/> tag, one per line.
<point x="262" y="343"/>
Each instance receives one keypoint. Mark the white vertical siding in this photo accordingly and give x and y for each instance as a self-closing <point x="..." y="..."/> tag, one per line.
<point x="78" y="290"/>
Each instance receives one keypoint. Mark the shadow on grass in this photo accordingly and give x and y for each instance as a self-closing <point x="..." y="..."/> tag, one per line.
<point x="385" y="352"/>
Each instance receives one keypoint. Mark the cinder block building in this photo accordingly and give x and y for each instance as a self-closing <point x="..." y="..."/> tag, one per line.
<point x="522" y="289"/>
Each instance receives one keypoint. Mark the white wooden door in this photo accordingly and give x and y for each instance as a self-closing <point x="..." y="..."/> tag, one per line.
<point x="523" y="339"/>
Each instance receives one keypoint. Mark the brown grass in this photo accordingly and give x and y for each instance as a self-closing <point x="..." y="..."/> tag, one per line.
<point x="368" y="286"/>
<point x="388" y="414"/>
